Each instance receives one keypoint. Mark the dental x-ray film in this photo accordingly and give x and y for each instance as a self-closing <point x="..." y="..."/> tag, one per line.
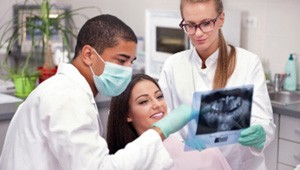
<point x="221" y="115"/>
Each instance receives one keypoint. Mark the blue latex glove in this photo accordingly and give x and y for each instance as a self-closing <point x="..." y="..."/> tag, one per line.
<point x="195" y="144"/>
<point x="254" y="136"/>
<point x="175" y="120"/>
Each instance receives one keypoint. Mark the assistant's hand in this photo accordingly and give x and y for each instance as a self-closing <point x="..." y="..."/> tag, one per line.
<point x="175" y="120"/>
<point x="254" y="136"/>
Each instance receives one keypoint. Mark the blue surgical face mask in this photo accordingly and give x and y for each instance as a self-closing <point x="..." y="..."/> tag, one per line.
<point x="114" y="79"/>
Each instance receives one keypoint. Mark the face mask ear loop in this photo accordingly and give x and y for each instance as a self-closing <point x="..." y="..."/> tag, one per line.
<point x="92" y="70"/>
<point x="99" y="56"/>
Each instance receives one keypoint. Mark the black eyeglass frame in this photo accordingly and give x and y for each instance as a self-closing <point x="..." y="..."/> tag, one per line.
<point x="182" y="25"/>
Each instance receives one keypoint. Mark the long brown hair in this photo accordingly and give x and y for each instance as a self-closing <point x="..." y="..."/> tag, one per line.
<point x="119" y="131"/>
<point x="226" y="60"/>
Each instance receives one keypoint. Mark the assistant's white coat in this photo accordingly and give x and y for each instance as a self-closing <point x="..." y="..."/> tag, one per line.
<point x="182" y="75"/>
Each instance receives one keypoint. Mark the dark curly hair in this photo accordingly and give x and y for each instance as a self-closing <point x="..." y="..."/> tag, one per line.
<point x="103" y="32"/>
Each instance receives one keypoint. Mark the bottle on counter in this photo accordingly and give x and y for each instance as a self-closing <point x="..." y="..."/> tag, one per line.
<point x="290" y="82"/>
<point x="266" y="66"/>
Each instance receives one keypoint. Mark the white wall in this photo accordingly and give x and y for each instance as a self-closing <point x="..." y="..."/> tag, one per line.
<point x="133" y="11"/>
<point x="277" y="33"/>
<point x="276" y="36"/>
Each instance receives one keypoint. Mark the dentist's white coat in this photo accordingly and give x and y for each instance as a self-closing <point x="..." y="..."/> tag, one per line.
<point x="182" y="75"/>
<point x="58" y="128"/>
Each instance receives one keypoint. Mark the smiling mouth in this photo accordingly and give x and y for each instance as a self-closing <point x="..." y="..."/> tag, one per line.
<point x="157" y="115"/>
<point x="200" y="41"/>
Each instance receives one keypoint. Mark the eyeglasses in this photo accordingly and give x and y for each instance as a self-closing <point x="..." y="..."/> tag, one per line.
<point x="205" y="26"/>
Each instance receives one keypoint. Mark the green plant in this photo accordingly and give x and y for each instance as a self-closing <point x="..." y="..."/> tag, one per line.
<point x="46" y="27"/>
<point x="39" y="25"/>
<point x="39" y="20"/>
<point x="16" y="68"/>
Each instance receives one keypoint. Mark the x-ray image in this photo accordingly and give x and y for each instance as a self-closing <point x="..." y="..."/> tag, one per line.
<point x="224" y="110"/>
<point x="221" y="115"/>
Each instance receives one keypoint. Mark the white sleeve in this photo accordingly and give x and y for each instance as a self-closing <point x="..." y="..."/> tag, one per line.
<point x="72" y="134"/>
<point x="146" y="152"/>
<point x="166" y="84"/>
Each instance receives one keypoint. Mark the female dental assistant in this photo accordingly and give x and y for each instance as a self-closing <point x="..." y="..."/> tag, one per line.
<point x="213" y="64"/>
<point x="58" y="128"/>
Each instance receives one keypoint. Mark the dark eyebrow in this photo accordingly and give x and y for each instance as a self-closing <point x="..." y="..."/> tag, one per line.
<point x="127" y="56"/>
<point x="143" y="95"/>
<point x="205" y="20"/>
<point x="146" y="95"/>
<point x="124" y="55"/>
<point x="157" y="91"/>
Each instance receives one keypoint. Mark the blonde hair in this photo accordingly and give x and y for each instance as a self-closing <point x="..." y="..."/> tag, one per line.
<point x="226" y="60"/>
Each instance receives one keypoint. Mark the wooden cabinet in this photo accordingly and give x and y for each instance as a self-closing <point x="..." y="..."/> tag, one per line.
<point x="283" y="153"/>
<point x="284" y="167"/>
<point x="289" y="142"/>
<point x="3" y="128"/>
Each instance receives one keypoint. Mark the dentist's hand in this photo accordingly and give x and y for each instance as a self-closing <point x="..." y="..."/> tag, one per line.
<point x="254" y="136"/>
<point x="175" y="120"/>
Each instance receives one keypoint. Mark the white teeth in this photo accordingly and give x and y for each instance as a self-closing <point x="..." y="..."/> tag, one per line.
<point x="157" y="115"/>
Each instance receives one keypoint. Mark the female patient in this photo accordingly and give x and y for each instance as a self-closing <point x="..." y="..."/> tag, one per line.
<point x="136" y="109"/>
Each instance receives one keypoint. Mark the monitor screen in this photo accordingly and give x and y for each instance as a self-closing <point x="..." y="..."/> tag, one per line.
<point x="170" y="40"/>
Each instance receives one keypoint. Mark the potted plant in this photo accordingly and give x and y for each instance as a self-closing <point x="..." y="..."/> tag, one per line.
<point x="22" y="73"/>
<point x="46" y="26"/>
<point x="29" y="46"/>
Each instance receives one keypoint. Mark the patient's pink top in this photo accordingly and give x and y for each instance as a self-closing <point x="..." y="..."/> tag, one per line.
<point x="208" y="159"/>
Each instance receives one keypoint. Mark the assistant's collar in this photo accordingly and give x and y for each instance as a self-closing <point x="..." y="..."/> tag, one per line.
<point x="210" y="61"/>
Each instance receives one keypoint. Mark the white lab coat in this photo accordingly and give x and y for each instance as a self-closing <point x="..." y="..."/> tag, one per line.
<point x="58" y="128"/>
<point x="182" y="75"/>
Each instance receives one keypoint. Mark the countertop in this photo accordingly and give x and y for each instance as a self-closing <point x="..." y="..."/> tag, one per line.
<point x="292" y="110"/>
<point x="7" y="110"/>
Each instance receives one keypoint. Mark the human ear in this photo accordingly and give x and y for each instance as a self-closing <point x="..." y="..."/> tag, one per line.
<point x="86" y="54"/>
<point x="222" y="19"/>
<point x="129" y="119"/>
